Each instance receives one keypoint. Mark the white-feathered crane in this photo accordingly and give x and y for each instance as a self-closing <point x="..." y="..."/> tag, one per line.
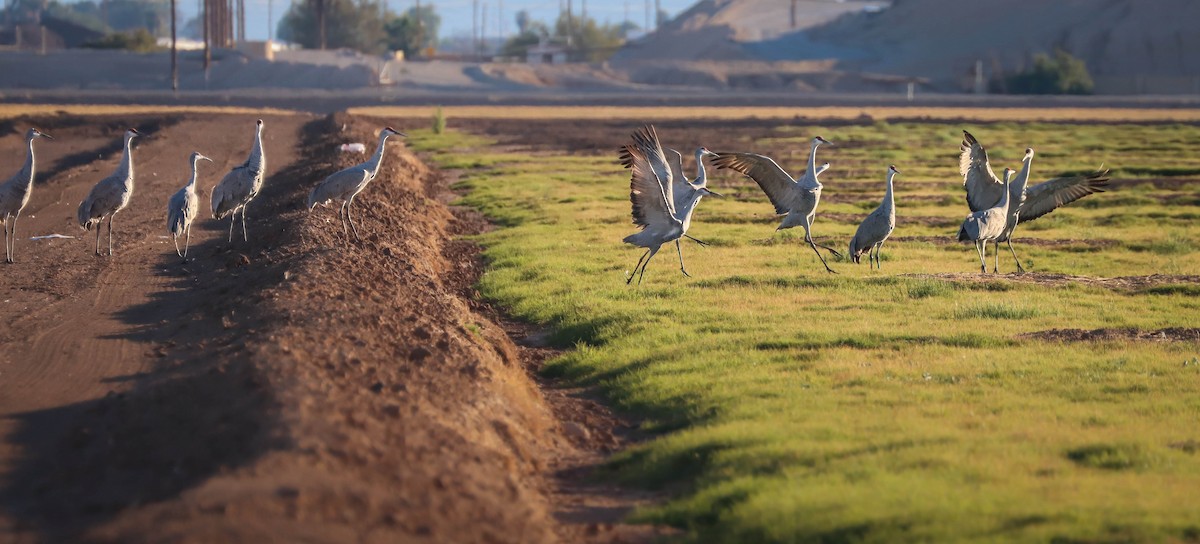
<point x="110" y="195"/>
<point x="14" y="195"/>
<point x="653" y="186"/>
<point x="346" y="184"/>
<point x="879" y="224"/>
<point x="183" y="207"/>
<point x="234" y="192"/>
<point x="1026" y="203"/>
<point x="795" y="199"/>
<point x="987" y="225"/>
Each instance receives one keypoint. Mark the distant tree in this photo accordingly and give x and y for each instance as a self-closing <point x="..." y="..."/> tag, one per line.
<point x="348" y="23"/>
<point x="85" y="14"/>
<point x="413" y="31"/>
<point x="1061" y="74"/>
<point x="126" y="15"/>
<point x="533" y="33"/>
<point x="523" y="21"/>
<point x="588" y="40"/>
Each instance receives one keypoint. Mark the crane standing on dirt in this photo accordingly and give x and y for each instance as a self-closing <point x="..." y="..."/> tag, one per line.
<point x="14" y="195"/>
<point x="183" y="207"/>
<point x="795" y="199"/>
<point x="875" y="229"/>
<point x="1025" y="204"/>
<point x="987" y="225"/>
<point x="109" y="196"/>
<point x="346" y="184"/>
<point x="235" y="191"/>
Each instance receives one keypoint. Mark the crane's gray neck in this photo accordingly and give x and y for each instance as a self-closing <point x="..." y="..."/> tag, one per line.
<point x="1022" y="179"/>
<point x="192" y="182"/>
<point x="812" y="160"/>
<point x="257" y="162"/>
<point x="889" y="198"/>
<point x="125" y="170"/>
<point x="701" y="177"/>
<point x="375" y="160"/>
<point x="1007" y="189"/>
<point x="28" y="169"/>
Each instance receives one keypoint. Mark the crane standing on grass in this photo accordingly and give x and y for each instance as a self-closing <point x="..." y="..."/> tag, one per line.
<point x="235" y="191"/>
<point x="14" y="195"/>
<point x="1025" y="203"/>
<point x="876" y="228"/>
<point x="109" y="196"/>
<point x="183" y="207"/>
<point x="795" y="199"/>
<point x="346" y="184"/>
<point x="987" y="225"/>
<point x="653" y="186"/>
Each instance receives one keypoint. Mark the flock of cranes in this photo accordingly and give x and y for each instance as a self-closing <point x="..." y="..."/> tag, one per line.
<point x="230" y="197"/>
<point x="664" y="200"/>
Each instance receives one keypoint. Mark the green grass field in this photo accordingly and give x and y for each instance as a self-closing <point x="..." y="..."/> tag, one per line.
<point x="786" y="404"/>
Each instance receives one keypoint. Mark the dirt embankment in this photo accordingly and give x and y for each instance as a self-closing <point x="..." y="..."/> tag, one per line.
<point x="297" y="387"/>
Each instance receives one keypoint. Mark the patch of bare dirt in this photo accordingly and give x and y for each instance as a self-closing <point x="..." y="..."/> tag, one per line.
<point x="1173" y="334"/>
<point x="301" y="386"/>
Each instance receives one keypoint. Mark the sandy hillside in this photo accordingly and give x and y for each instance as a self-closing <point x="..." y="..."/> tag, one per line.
<point x="936" y="39"/>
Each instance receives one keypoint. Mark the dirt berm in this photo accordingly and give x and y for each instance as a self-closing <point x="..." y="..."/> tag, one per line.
<point x="302" y="387"/>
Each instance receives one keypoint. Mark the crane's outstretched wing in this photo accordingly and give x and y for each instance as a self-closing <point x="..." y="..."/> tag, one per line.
<point x="676" y="167"/>
<point x="651" y="205"/>
<point x="779" y="186"/>
<point x="984" y="189"/>
<point x="1045" y="197"/>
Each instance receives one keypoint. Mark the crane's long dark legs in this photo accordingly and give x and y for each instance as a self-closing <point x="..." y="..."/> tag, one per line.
<point x="701" y="242"/>
<point x="232" y="220"/>
<point x="350" y="206"/>
<point x="98" y="235"/>
<point x="175" y="238"/>
<point x="187" y="241"/>
<point x="636" y="266"/>
<point x="110" y="220"/>
<point x="996" y="251"/>
<point x="826" y="248"/>
<point x="7" y="247"/>
<point x="813" y="245"/>
<point x="981" y="251"/>
<point x="647" y="263"/>
<point x="12" y="237"/>
<point x="1020" y="268"/>
<point x="680" y="251"/>
<point x="245" y="236"/>
<point x="342" y="218"/>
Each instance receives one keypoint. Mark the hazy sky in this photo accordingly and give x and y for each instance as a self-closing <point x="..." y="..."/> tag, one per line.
<point x="456" y="14"/>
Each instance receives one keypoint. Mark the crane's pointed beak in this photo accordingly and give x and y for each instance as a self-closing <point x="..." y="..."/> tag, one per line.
<point x="713" y="193"/>
<point x="46" y="136"/>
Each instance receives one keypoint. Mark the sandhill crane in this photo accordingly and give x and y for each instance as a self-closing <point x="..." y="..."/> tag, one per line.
<point x="183" y="207"/>
<point x="235" y="191"/>
<point x="110" y="195"/>
<point x="795" y="199"/>
<point x="652" y="190"/>
<point x="685" y="193"/>
<point x="345" y="184"/>
<point x="987" y="225"/>
<point x="876" y="228"/>
<point x="14" y="195"/>
<point x="1027" y="203"/>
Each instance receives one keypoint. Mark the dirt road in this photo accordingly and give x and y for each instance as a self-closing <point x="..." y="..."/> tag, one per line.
<point x="296" y="387"/>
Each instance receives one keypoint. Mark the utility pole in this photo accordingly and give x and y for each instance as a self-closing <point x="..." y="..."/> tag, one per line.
<point x="320" y="5"/>
<point x="420" y="28"/>
<point x="483" y="30"/>
<point x="270" y="18"/>
<point x="793" y="14"/>
<point x="207" y="36"/>
<point x="475" y="25"/>
<point x="657" y="10"/>
<point x="174" y="52"/>
<point x="570" y="23"/>
<point x="647" y="3"/>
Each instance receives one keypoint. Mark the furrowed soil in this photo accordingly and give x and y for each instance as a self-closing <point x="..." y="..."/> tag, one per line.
<point x="299" y="386"/>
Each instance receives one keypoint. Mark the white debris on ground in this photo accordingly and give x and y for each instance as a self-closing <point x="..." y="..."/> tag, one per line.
<point x="52" y="236"/>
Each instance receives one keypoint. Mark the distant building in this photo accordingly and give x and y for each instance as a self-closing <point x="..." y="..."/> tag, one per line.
<point x="546" y="53"/>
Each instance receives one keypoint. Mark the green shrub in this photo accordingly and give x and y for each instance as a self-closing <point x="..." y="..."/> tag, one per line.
<point x="139" y="41"/>
<point x="439" y="121"/>
<point x="1060" y="74"/>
